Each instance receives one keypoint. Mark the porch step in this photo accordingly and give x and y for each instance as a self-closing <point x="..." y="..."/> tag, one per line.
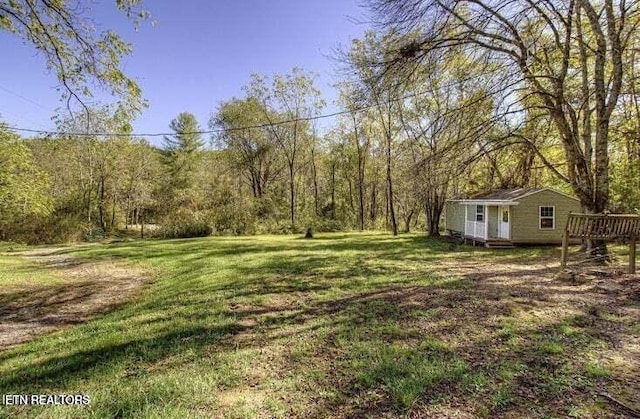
<point x="499" y="244"/>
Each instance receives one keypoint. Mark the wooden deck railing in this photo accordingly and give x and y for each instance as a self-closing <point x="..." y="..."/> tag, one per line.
<point x="605" y="227"/>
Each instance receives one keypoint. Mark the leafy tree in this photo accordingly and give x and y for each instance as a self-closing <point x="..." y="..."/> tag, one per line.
<point x="352" y="100"/>
<point x="253" y="150"/>
<point x="567" y="56"/>
<point x="139" y="168"/>
<point x="99" y="159"/>
<point x="23" y="186"/>
<point x="182" y="158"/>
<point x="72" y="48"/>
<point x="288" y="102"/>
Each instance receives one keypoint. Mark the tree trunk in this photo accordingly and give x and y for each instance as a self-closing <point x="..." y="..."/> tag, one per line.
<point x="333" y="190"/>
<point x="433" y="220"/>
<point x="292" y="196"/>
<point x="142" y="225"/>
<point x="392" y="213"/>
<point x="315" y="182"/>
<point x="408" y="222"/>
<point x="101" y="205"/>
<point x="373" y="211"/>
<point x="113" y="215"/>
<point x="350" y="194"/>
<point x="434" y="205"/>
<point x="360" y="156"/>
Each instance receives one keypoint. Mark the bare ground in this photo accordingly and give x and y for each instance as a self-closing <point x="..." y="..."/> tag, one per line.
<point x="604" y="305"/>
<point x="604" y="301"/>
<point x="88" y="289"/>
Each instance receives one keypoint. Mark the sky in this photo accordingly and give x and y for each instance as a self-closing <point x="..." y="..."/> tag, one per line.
<point x="198" y="54"/>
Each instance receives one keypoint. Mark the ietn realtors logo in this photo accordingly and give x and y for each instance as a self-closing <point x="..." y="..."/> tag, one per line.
<point x="45" y="399"/>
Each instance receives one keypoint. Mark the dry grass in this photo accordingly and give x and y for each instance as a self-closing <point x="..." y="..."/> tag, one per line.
<point x="82" y="291"/>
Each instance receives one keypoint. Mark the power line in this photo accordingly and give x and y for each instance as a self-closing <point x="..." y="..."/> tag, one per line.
<point x="26" y="99"/>
<point x="219" y="130"/>
<point x="234" y="129"/>
<point x="162" y="134"/>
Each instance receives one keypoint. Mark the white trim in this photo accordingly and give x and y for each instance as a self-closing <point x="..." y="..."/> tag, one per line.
<point x="547" y="217"/>
<point x="464" y="228"/>
<point x="485" y="218"/>
<point x="511" y="201"/>
<point x="485" y="202"/>
<point x="483" y="213"/>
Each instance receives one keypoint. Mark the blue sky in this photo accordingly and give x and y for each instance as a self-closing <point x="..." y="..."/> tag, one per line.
<point x="199" y="53"/>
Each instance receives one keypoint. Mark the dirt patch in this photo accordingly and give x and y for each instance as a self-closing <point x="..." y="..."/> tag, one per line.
<point x="88" y="289"/>
<point x="607" y="303"/>
<point x="515" y="325"/>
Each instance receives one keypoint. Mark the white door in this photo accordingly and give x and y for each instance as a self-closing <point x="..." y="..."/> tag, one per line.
<point x="504" y="217"/>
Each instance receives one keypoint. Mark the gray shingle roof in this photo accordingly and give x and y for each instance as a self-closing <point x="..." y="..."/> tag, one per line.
<point x="505" y="194"/>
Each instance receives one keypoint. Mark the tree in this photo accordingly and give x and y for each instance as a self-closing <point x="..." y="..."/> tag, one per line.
<point x="81" y="58"/>
<point x="382" y="91"/>
<point x="288" y="104"/>
<point x="98" y="159"/>
<point x="72" y="48"/>
<point x="254" y="150"/>
<point x="23" y="186"/>
<point x="182" y="157"/>
<point x="351" y="99"/>
<point x="568" y="56"/>
<point x="139" y="170"/>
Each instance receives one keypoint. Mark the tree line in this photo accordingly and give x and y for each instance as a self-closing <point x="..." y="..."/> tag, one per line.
<point x="444" y="99"/>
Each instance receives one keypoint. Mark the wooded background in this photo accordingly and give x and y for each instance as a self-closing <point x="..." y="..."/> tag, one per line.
<point x="442" y="99"/>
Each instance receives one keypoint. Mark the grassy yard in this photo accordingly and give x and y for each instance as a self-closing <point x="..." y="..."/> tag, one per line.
<point x="344" y="325"/>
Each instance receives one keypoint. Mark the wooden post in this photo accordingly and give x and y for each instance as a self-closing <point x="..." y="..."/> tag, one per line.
<point x="565" y="248"/>
<point x="142" y="226"/>
<point x="565" y="243"/>
<point x="632" y="254"/>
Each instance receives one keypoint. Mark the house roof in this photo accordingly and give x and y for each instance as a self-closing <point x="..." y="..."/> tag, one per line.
<point x="507" y="196"/>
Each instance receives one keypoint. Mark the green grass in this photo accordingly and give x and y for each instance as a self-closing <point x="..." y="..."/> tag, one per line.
<point x="16" y="271"/>
<point x="597" y="370"/>
<point x="277" y="326"/>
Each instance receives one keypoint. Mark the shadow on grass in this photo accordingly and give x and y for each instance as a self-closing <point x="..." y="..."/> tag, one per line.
<point x="87" y="364"/>
<point x="370" y="328"/>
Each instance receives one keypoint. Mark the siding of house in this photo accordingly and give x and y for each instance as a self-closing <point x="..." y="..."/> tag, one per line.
<point x="454" y="216"/>
<point x="525" y="221"/>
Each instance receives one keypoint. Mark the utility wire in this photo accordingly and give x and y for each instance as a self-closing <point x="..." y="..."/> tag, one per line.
<point x="18" y="95"/>
<point x="219" y="130"/>
<point x="162" y="134"/>
<point x="231" y="129"/>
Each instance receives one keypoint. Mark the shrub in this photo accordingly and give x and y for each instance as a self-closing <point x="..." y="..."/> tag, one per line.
<point x="46" y="230"/>
<point x="328" y="226"/>
<point x="278" y="227"/>
<point x="181" y="229"/>
<point x="94" y="234"/>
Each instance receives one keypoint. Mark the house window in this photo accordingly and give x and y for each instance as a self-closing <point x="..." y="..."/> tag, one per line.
<point x="547" y="218"/>
<point x="505" y="216"/>
<point x="480" y="213"/>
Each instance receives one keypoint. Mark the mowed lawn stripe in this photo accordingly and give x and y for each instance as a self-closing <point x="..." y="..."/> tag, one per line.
<point x="359" y="324"/>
